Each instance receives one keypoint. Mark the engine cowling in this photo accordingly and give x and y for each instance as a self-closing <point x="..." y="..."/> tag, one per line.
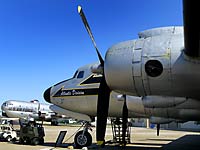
<point x="165" y="107"/>
<point x="144" y="66"/>
<point x="117" y="68"/>
<point x="162" y="101"/>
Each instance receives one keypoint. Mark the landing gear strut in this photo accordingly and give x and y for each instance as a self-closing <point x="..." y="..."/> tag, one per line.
<point x="158" y="129"/>
<point x="83" y="138"/>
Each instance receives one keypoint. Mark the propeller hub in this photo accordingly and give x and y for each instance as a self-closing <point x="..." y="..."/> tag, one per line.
<point x="97" y="68"/>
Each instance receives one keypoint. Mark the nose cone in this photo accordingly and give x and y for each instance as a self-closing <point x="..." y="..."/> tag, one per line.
<point x="3" y="106"/>
<point x="47" y="95"/>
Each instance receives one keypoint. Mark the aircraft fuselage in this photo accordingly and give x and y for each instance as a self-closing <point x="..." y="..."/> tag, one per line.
<point x="22" y="109"/>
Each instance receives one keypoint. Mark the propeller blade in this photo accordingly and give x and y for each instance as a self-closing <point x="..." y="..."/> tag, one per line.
<point x="191" y="13"/>
<point x="102" y="111"/>
<point x="124" y="121"/>
<point x="104" y="90"/>
<point x="82" y="15"/>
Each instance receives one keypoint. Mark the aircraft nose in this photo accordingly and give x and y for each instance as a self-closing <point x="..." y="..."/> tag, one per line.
<point x="47" y="95"/>
<point x="3" y="106"/>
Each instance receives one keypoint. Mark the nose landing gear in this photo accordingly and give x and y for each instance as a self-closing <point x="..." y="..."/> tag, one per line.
<point x="83" y="138"/>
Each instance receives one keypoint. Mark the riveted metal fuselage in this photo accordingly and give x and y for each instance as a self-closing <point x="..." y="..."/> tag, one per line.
<point x="80" y="95"/>
<point x="153" y="65"/>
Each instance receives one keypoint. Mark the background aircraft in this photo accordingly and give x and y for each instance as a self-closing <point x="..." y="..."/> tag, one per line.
<point x="32" y="109"/>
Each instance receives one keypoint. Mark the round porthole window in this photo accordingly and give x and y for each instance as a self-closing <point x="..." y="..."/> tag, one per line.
<point x="153" y="68"/>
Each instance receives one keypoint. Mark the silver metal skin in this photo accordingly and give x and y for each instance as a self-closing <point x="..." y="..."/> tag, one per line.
<point x="177" y="108"/>
<point x="160" y="109"/>
<point x="23" y="109"/>
<point x="81" y="103"/>
<point x="160" y="63"/>
<point x="161" y="68"/>
<point x="125" y="65"/>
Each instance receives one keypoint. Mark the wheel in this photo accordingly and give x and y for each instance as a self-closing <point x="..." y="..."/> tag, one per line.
<point x="14" y="140"/>
<point x="81" y="140"/>
<point x="35" y="141"/>
<point x="8" y="138"/>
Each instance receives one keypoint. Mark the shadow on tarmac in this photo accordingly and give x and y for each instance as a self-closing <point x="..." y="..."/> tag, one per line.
<point x="187" y="142"/>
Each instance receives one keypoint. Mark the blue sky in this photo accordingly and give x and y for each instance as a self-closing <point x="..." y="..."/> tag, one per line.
<point x="44" y="41"/>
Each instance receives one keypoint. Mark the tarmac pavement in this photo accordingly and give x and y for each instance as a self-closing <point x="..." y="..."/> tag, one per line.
<point x="141" y="139"/>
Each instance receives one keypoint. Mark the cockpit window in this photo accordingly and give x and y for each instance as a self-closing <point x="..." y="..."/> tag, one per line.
<point x="4" y="104"/>
<point x="75" y="74"/>
<point x="80" y="74"/>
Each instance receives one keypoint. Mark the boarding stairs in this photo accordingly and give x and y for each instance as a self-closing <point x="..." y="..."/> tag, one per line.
<point x="118" y="131"/>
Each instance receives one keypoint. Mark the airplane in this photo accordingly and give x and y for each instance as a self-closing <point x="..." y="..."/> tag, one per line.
<point x="161" y="66"/>
<point x="77" y="98"/>
<point x="33" y="109"/>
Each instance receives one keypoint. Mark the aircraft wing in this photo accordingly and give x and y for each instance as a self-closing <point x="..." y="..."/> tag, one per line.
<point x="191" y="14"/>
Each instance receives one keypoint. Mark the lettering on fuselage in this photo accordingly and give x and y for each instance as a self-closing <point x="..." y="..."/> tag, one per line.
<point x="72" y="93"/>
<point x="91" y="80"/>
<point x="76" y="92"/>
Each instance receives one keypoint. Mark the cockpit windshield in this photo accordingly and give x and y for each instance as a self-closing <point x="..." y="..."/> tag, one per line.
<point x="78" y="74"/>
<point x="4" y="104"/>
<point x="75" y="74"/>
<point x="7" y="104"/>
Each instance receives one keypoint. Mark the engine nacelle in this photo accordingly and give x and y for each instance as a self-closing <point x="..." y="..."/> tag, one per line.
<point x="118" y="69"/>
<point x="159" y="120"/>
<point x="135" y="104"/>
<point x="165" y="107"/>
<point x="150" y="65"/>
<point x="162" y="101"/>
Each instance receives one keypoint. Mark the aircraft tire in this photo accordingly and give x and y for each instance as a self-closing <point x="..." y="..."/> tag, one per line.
<point x="82" y="141"/>
<point x="8" y="138"/>
<point x="35" y="141"/>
